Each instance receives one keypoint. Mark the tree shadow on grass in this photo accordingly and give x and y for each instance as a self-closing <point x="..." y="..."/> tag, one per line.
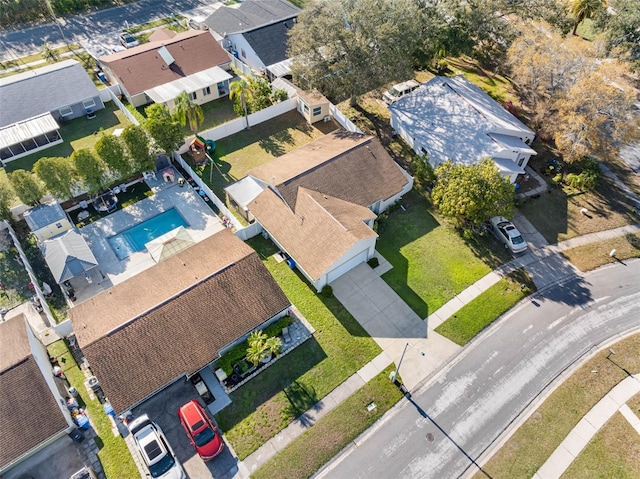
<point x="278" y="377"/>
<point x="301" y="398"/>
<point x="275" y="144"/>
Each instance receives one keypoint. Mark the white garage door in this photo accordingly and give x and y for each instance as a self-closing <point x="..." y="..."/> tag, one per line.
<point x="346" y="266"/>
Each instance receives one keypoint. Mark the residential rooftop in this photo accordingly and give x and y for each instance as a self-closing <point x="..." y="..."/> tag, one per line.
<point x="42" y="90"/>
<point x="454" y="119"/>
<point x="173" y="318"/>
<point x="249" y="14"/>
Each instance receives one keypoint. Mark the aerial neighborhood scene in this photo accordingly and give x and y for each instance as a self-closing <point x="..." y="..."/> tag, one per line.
<point x="339" y="239"/>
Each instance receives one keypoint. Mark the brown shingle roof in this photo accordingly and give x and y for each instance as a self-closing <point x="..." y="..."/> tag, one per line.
<point x="320" y="231"/>
<point x="29" y="414"/>
<point x="93" y="318"/>
<point x="141" y="68"/>
<point x="183" y="331"/>
<point x="344" y="165"/>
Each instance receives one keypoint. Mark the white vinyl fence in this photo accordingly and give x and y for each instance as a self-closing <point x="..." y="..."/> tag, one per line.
<point x="342" y="119"/>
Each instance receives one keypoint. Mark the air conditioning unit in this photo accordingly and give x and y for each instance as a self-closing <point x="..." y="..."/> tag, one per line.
<point x="327" y="118"/>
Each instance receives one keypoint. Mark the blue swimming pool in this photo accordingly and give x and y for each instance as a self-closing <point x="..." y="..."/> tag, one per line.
<point x="133" y="239"/>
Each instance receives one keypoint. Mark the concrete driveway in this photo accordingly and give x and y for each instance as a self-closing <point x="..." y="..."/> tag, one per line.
<point x="392" y="324"/>
<point x="58" y="460"/>
<point x="162" y="409"/>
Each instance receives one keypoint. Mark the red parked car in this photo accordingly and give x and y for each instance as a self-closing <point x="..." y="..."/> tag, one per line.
<point x="200" y="430"/>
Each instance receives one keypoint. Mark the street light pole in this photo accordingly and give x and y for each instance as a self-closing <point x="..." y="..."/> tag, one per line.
<point x="394" y="374"/>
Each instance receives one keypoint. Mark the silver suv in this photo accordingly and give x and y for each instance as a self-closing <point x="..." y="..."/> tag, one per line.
<point x="156" y="452"/>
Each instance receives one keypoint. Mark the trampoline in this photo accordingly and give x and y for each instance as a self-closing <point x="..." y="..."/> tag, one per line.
<point x="106" y="203"/>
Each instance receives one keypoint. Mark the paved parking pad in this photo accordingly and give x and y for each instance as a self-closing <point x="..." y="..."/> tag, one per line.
<point x="162" y="409"/>
<point x="58" y="460"/>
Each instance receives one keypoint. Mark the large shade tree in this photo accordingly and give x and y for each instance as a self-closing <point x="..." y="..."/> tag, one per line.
<point x="111" y="150"/>
<point x="583" y="100"/>
<point x="58" y="175"/>
<point x="621" y="26"/>
<point x="163" y="128"/>
<point x="91" y="169"/>
<point x="349" y="47"/>
<point x="137" y="142"/>
<point x="188" y="113"/>
<point x="597" y="114"/>
<point x="27" y="186"/>
<point x="470" y="194"/>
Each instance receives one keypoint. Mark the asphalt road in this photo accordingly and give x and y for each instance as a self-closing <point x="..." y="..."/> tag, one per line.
<point x="451" y="421"/>
<point x="84" y="28"/>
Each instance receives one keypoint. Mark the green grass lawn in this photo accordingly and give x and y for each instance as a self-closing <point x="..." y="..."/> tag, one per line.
<point x="536" y="439"/>
<point x="306" y="454"/>
<point x="113" y="454"/>
<point x="431" y="263"/>
<point x="270" y="401"/>
<point x="77" y="134"/>
<point x="486" y="308"/>
<point x="235" y="155"/>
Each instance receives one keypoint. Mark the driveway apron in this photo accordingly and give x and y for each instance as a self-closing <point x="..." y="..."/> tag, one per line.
<point x="392" y="324"/>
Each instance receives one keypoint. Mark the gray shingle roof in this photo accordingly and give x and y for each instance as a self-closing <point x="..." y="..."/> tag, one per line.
<point x="270" y="41"/>
<point x="29" y="414"/>
<point x="44" y="215"/>
<point x="45" y="89"/>
<point x="249" y="14"/>
<point x="68" y="255"/>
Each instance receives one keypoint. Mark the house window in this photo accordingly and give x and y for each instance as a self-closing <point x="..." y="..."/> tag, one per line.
<point x="90" y="103"/>
<point x="206" y="91"/>
<point x="242" y="52"/>
<point x="193" y="95"/>
<point x="521" y="161"/>
<point x="223" y="89"/>
<point x="305" y="107"/>
<point x="317" y="111"/>
<point x="66" y="111"/>
<point x="58" y="225"/>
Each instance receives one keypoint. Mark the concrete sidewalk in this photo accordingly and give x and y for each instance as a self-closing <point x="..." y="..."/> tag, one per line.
<point x="589" y="426"/>
<point x="310" y="417"/>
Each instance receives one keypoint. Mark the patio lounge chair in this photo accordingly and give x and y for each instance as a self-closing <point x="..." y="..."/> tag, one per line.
<point x="286" y="337"/>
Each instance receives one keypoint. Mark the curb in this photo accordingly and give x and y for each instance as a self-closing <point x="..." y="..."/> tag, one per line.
<point x="542" y="396"/>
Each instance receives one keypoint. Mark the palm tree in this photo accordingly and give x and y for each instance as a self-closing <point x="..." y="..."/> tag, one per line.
<point x="188" y="113"/>
<point x="239" y="89"/>
<point x="583" y="9"/>
<point x="49" y="54"/>
<point x="262" y="347"/>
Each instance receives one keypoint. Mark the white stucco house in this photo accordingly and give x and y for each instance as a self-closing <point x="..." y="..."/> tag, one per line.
<point x="449" y="118"/>
<point x="318" y="203"/>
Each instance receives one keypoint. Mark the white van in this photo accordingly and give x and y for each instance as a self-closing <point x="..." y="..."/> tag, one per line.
<point x="399" y="90"/>
<point x="197" y="23"/>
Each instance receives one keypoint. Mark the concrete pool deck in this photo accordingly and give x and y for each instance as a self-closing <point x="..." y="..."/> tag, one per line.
<point x="202" y="223"/>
